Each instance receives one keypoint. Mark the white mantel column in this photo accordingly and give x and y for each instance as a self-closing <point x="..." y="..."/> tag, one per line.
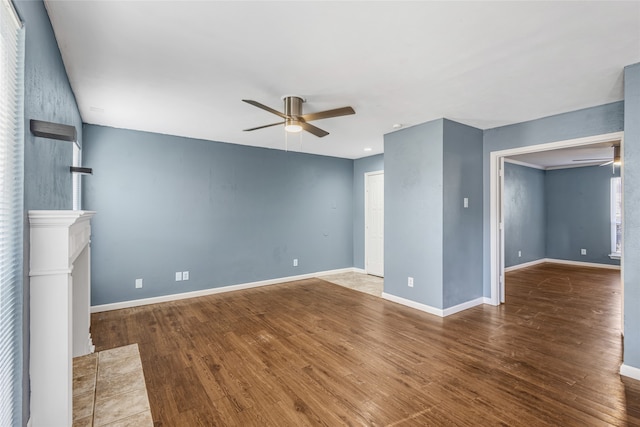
<point x="60" y="282"/>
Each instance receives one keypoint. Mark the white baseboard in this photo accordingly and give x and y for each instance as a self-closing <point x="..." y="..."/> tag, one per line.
<point x="525" y="264"/>
<point x="583" y="264"/>
<point x="630" y="371"/>
<point x="464" y="306"/>
<point x="359" y="270"/>
<point x="413" y="304"/>
<point x="488" y="301"/>
<point x="29" y="423"/>
<point x="432" y="310"/>
<point x="561" y="261"/>
<point x="211" y="291"/>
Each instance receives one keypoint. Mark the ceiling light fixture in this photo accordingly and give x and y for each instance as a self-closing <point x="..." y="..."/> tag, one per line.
<point x="368" y="149"/>
<point x="293" y="126"/>
<point x="397" y="126"/>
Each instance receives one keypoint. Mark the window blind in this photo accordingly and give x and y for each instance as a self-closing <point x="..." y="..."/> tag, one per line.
<point x="11" y="213"/>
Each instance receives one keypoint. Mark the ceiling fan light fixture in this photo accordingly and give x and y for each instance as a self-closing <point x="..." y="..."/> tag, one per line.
<point x="616" y="155"/>
<point x="292" y="126"/>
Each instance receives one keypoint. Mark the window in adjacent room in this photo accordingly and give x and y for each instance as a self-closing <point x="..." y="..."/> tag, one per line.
<point x="616" y="217"/>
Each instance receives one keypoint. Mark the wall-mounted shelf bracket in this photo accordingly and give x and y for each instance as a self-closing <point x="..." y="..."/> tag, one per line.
<point x="53" y="130"/>
<point x="81" y="170"/>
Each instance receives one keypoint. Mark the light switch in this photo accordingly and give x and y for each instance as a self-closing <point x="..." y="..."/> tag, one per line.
<point x="465" y="202"/>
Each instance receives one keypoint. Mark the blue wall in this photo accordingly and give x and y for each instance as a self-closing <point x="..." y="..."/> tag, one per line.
<point x="413" y="213"/>
<point x="581" y="123"/>
<point x="429" y="170"/>
<point x="578" y="211"/>
<point x="47" y="181"/>
<point x="631" y="199"/>
<point x="462" y="227"/>
<point x="524" y="214"/>
<point x="555" y="213"/>
<point x="228" y="214"/>
<point x="360" y="167"/>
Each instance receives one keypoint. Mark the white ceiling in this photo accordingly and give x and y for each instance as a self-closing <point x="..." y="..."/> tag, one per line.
<point x="182" y="68"/>
<point x="587" y="155"/>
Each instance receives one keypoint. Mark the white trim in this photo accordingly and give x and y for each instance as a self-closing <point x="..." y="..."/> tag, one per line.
<point x="580" y="165"/>
<point x="432" y="310"/>
<point x="525" y="164"/>
<point x="582" y="264"/>
<point x="211" y="291"/>
<point x="525" y="264"/>
<point x="487" y="301"/>
<point x="366" y="213"/>
<point x="359" y="270"/>
<point x="615" y="256"/>
<point x="56" y="272"/>
<point x="630" y="371"/>
<point x="494" y="156"/>
<point x="562" y="261"/>
<point x="13" y="13"/>
<point x="464" y="306"/>
<point x="413" y="304"/>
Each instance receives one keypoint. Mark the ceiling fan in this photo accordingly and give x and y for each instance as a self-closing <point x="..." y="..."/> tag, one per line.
<point x="615" y="161"/>
<point x="294" y="120"/>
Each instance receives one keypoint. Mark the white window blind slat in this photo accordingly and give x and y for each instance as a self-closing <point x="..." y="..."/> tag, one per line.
<point x="11" y="213"/>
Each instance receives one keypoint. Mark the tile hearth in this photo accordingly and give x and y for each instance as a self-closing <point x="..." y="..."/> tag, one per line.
<point x="109" y="389"/>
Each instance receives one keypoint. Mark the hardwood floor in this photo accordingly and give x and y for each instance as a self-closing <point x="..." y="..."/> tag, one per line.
<point x="314" y="353"/>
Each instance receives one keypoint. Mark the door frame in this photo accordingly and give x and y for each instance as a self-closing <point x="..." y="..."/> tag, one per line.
<point x="366" y="215"/>
<point x="496" y="192"/>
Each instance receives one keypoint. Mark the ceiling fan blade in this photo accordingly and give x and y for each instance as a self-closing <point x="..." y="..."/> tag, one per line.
<point x="314" y="130"/>
<point x="337" y="112"/>
<point x="265" y="126"/>
<point x="608" y="163"/>
<point x="591" y="160"/>
<point x="264" y="107"/>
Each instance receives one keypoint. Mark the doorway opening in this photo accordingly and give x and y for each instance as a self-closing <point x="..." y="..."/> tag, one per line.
<point x="497" y="159"/>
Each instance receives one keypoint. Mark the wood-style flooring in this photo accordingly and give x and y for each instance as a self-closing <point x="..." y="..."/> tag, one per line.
<point x="312" y="353"/>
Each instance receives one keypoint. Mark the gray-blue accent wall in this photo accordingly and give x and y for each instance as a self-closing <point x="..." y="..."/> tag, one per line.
<point x="631" y="225"/>
<point x="578" y="213"/>
<point x="229" y="214"/>
<point x="524" y="214"/>
<point x="360" y="167"/>
<point x="462" y="227"/>
<point x="47" y="181"/>
<point x="429" y="170"/>
<point x="413" y="213"/>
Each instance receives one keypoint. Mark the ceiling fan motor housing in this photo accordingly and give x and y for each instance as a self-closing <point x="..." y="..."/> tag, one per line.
<point x="293" y="106"/>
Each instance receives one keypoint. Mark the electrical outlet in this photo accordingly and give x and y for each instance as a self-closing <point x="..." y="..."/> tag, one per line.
<point x="519" y="254"/>
<point x="583" y="251"/>
<point x="138" y="283"/>
<point x="410" y="282"/>
<point x="185" y="275"/>
<point x="178" y="276"/>
<point x="295" y="262"/>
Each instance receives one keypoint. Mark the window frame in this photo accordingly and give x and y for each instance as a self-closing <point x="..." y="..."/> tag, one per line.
<point x="616" y="218"/>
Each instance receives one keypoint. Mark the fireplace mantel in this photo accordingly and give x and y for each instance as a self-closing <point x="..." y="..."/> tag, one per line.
<point x="60" y="294"/>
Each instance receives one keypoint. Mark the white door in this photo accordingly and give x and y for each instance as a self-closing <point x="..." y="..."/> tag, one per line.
<point x="374" y="223"/>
